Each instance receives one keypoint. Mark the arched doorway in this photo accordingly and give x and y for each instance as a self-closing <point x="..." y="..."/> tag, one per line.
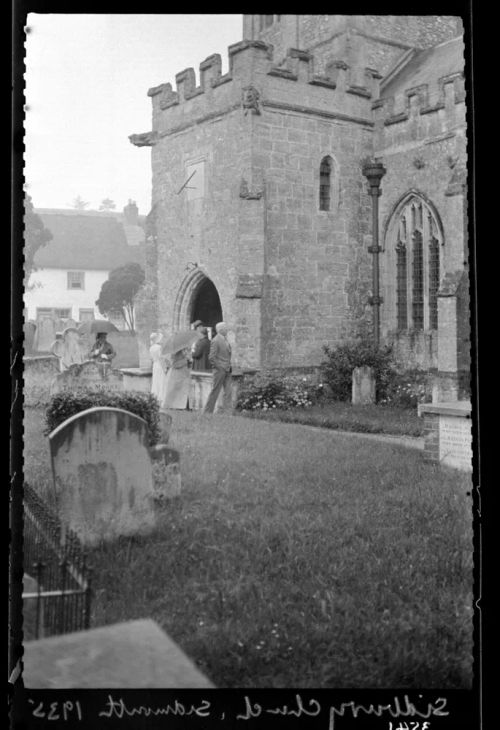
<point x="206" y="304"/>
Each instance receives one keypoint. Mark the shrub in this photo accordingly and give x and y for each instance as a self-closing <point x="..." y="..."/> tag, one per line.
<point x="341" y="361"/>
<point x="408" y="388"/>
<point x="68" y="403"/>
<point x="277" y="390"/>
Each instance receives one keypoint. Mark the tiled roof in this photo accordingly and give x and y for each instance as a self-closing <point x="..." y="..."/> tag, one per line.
<point x="89" y="240"/>
<point x="426" y="67"/>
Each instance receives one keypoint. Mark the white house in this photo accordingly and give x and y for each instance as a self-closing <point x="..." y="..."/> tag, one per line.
<point x="71" y="268"/>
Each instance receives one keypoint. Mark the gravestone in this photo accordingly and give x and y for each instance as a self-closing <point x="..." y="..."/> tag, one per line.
<point x="96" y="376"/>
<point x="45" y="333"/>
<point x="448" y="433"/>
<point x="455" y="442"/>
<point x="102" y="472"/>
<point x="363" y="386"/>
<point x="29" y="336"/>
<point x="131" y="655"/>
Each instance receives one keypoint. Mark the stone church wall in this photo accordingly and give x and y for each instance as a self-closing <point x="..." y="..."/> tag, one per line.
<point x="423" y="147"/>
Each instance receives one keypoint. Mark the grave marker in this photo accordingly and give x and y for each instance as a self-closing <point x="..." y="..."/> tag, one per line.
<point x="88" y="375"/>
<point x="363" y="385"/>
<point x="102" y="473"/>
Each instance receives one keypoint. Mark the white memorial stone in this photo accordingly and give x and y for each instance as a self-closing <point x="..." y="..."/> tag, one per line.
<point x="455" y="442"/>
<point x="363" y="385"/>
<point x="103" y="474"/>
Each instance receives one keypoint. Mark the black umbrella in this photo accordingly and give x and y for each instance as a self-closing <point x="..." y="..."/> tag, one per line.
<point x="94" y="326"/>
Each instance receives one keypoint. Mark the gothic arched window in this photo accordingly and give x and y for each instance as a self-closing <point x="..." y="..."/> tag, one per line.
<point x="325" y="183"/>
<point x="416" y="241"/>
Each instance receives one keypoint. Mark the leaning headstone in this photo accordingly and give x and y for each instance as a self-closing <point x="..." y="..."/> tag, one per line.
<point x="96" y="376"/>
<point x="102" y="473"/>
<point x="131" y="655"/>
<point x="363" y="386"/>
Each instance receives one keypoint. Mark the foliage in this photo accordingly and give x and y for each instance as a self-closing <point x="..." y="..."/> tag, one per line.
<point x="35" y="235"/>
<point x="277" y="390"/>
<point x="67" y="403"/>
<point x="79" y="204"/>
<point x="407" y="389"/>
<point x="107" y="204"/>
<point x="119" y="291"/>
<point x="341" y="360"/>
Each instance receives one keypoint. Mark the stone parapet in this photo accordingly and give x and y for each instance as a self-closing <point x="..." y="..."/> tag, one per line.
<point x="254" y="80"/>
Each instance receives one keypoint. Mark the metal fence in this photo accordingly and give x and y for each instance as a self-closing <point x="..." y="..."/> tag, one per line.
<point x="57" y="587"/>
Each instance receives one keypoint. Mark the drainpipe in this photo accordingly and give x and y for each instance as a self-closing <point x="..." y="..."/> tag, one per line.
<point x="374" y="172"/>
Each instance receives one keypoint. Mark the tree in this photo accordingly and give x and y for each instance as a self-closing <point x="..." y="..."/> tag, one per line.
<point x="35" y="236"/>
<point x="119" y="290"/>
<point x="79" y="203"/>
<point x="107" y="204"/>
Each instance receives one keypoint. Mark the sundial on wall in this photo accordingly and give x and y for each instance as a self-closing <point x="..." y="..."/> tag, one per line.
<point x="194" y="183"/>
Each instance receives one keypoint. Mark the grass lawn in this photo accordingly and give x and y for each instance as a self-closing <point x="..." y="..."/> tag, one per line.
<point x="347" y="417"/>
<point x="297" y="558"/>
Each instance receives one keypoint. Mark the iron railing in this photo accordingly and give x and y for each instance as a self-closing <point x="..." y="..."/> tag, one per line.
<point x="59" y="600"/>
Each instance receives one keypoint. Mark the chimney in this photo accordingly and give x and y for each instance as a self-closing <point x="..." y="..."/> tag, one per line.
<point x="131" y="213"/>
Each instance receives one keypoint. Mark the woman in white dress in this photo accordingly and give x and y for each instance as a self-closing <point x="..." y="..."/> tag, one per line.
<point x="178" y="381"/>
<point x="158" y="366"/>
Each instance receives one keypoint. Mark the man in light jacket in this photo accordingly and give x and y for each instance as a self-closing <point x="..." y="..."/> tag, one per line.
<point x="220" y="360"/>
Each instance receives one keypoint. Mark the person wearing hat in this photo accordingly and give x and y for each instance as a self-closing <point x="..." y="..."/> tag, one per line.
<point x="201" y="351"/>
<point x="220" y="360"/>
<point x="177" y="381"/>
<point x="158" y="366"/>
<point x="102" y="351"/>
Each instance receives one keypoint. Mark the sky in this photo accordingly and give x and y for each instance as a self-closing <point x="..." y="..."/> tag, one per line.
<point x="87" y="78"/>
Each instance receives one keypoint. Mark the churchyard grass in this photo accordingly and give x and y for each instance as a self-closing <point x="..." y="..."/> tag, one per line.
<point x="348" y="417"/>
<point x="297" y="558"/>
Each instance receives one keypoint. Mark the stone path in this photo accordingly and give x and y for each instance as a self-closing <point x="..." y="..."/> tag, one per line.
<point x="411" y="442"/>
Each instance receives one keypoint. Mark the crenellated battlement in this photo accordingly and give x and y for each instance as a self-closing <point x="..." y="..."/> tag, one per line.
<point x="254" y="80"/>
<point x="420" y="100"/>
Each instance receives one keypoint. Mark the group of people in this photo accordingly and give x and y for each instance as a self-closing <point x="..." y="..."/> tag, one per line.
<point x="171" y="378"/>
<point x="68" y="349"/>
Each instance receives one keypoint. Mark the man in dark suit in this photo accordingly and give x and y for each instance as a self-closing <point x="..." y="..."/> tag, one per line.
<point x="201" y="351"/>
<point x="220" y="360"/>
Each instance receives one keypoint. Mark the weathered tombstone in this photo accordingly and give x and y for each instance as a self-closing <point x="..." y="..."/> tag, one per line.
<point x="96" y="376"/>
<point x="363" y="385"/>
<point x="39" y="373"/>
<point x="135" y="654"/>
<point x="29" y="336"/>
<point x="45" y="333"/>
<point x="102" y="472"/>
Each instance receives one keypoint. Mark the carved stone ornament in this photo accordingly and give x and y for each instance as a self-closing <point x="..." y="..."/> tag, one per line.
<point x="147" y="139"/>
<point x="250" y="100"/>
<point x="249" y="194"/>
